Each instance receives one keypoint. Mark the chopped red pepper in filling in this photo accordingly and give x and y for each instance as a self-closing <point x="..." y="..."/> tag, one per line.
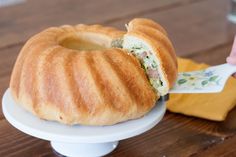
<point x="149" y="64"/>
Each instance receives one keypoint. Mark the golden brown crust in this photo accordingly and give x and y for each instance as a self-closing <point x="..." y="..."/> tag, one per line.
<point x="80" y="87"/>
<point x="134" y="23"/>
<point x="156" y="37"/>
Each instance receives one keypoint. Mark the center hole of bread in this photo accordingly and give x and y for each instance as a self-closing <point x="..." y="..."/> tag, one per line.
<point x="86" y="41"/>
<point x="80" y="44"/>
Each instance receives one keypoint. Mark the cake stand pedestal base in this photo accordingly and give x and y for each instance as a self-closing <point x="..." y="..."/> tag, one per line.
<point x="84" y="149"/>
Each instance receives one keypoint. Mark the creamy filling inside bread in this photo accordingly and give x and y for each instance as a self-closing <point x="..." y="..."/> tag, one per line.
<point x="148" y="61"/>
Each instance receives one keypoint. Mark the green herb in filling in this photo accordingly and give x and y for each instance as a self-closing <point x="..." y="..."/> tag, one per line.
<point x="149" y="65"/>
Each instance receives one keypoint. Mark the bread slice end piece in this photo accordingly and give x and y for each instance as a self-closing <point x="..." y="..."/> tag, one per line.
<point x="149" y="61"/>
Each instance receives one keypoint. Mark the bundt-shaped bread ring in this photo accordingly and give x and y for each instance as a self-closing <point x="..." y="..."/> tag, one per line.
<point x="72" y="75"/>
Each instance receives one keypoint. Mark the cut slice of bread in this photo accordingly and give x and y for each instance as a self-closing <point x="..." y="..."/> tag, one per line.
<point x="149" y="42"/>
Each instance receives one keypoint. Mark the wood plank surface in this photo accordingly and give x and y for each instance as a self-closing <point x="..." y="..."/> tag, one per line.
<point x="185" y="21"/>
<point x="193" y="27"/>
<point x="194" y="135"/>
<point x="221" y="149"/>
<point x="20" y="22"/>
<point x="199" y="30"/>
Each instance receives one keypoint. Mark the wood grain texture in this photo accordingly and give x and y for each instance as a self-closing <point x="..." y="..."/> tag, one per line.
<point x="199" y="30"/>
<point x="20" y="22"/>
<point x="213" y="56"/>
<point x="173" y="134"/>
<point x="222" y="149"/>
<point x="193" y="27"/>
<point x="21" y="144"/>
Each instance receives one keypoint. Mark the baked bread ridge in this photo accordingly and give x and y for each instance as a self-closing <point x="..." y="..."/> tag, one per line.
<point x="136" y="22"/>
<point x="145" y="35"/>
<point x="88" y="87"/>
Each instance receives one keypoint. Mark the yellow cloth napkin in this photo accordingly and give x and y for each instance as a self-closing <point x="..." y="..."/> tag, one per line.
<point x="214" y="106"/>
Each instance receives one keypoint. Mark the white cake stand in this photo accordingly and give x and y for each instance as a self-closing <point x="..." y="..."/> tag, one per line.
<point x="77" y="140"/>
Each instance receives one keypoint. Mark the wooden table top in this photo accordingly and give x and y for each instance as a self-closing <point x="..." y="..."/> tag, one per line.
<point x="199" y="30"/>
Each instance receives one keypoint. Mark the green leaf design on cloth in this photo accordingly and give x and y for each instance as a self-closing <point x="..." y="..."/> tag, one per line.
<point x="181" y="81"/>
<point x="204" y="82"/>
<point x="197" y="80"/>
<point x="213" y="78"/>
<point x="186" y="74"/>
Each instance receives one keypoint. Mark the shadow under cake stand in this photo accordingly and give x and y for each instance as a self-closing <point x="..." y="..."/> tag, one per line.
<point x="78" y="140"/>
